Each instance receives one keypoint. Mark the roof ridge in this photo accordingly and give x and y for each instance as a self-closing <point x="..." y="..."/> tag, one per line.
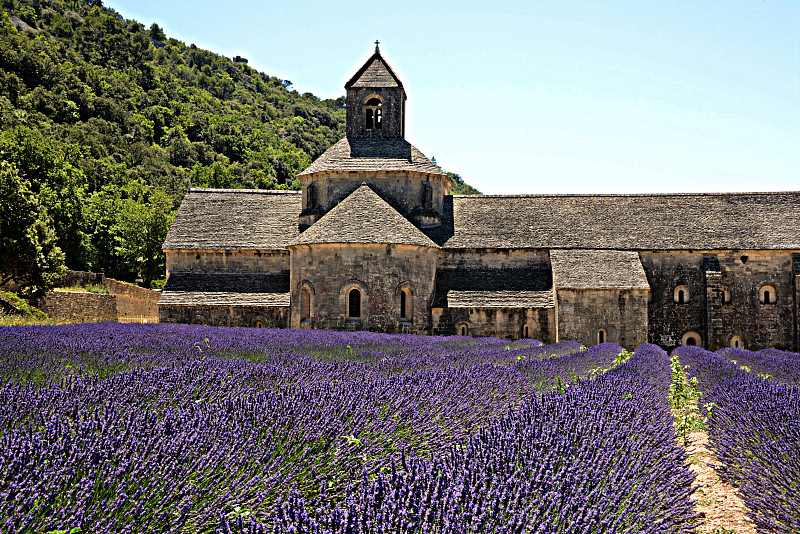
<point x="629" y="195"/>
<point x="246" y="191"/>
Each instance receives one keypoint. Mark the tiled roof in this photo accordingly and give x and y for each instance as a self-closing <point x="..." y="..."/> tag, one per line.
<point x="597" y="269"/>
<point x="493" y="288"/>
<point x="372" y="153"/>
<point x="376" y="72"/>
<point x="623" y="222"/>
<point x="363" y="217"/>
<point x="499" y="299"/>
<point x="225" y="289"/>
<point x="230" y="219"/>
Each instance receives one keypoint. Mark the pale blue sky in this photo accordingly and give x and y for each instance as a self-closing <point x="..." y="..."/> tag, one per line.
<point x="547" y="96"/>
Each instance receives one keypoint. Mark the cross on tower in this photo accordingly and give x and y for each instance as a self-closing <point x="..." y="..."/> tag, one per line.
<point x="376" y="46"/>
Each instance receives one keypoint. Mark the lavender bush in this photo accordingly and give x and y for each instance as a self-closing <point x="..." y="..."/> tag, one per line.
<point x="770" y="364"/>
<point x="754" y="426"/>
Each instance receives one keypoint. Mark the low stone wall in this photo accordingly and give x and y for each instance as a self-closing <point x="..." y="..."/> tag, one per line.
<point x="79" y="307"/>
<point x="134" y="301"/>
<point x="506" y="323"/>
<point x="123" y="302"/>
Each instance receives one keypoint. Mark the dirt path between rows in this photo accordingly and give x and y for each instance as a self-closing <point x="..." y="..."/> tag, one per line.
<point x="719" y="504"/>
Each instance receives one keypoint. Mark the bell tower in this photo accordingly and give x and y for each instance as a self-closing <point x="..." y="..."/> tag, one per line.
<point x="376" y="100"/>
<point x="375" y="152"/>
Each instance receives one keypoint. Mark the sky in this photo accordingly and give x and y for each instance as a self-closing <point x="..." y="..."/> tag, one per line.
<point x="546" y="96"/>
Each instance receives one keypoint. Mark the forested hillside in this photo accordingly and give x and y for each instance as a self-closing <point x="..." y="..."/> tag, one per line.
<point x="104" y="123"/>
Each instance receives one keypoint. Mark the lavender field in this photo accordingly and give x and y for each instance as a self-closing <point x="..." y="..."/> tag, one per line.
<point x="754" y="423"/>
<point x="177" y="428"/>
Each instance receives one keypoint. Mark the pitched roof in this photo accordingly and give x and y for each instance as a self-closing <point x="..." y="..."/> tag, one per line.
<point x="376" y="72"/>
<point x="529" y="287"/>
<point x="225" y="289"/>
<point x="372" y="153"/>
<point x="597" y="269"/>
<point x="363" y="217"/>
<point x="229" y="219"/>
<point x="706" y="221"/>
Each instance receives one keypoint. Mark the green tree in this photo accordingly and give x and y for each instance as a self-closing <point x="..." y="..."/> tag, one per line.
<point x="103" y="225"/>
<point x="50" y="166"/>
<point x="156" y="33"/>
<point x="459" y="187"/>
<point x="142" y="227"/>
<point x="30" y="255"/>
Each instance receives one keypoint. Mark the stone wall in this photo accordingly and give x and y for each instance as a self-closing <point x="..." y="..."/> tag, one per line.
<point x="379" y="271"/>
<point x="134" y="301"/>
<point x="496" y="322"/>
<point x="760" y="325"/>
<point x="394" y="100"/>
<point x="494" y="259"/>
<point x="79" y="307"/>
<point x="708" y="275"/>
<point x="622" y="313"/>
<point x="256" y="317"/>
<point x="124" y="302"/>
<point x="670" y="321"/>
<point x="227" y="261"/>
<point x="403" y="190"/>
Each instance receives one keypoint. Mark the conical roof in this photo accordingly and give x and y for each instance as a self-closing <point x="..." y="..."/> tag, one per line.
<point x="363" y="217"/>
<point x="376" y="72"/>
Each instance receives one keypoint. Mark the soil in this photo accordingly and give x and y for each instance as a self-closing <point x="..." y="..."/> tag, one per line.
<point x="720" y="507"/>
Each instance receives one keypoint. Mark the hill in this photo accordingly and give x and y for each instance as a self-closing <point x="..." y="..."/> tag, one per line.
<point x="107" y="122"/>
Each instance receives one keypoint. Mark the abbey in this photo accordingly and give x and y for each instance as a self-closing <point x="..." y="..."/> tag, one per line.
<point x="375" y="241"/>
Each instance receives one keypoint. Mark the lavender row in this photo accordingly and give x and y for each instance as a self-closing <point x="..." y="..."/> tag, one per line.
<point x="770" y="364"/>
<point x="569" y="368"/>
<point x="46" y="353"/>
<point x="754" y="426"/>
<point x="602" y="457"/>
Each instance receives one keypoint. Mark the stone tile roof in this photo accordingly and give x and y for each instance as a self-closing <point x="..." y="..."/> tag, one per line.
<point x="230" y="219"/>
<point x="597" y="269"/>
<point x="225" y="289"/>
<point x="372" y="153"/>
<point x="363" y="217"/>
<point x="376" y="72"/>
<point x="623" y="222"/>
<point x="493" y="288"/>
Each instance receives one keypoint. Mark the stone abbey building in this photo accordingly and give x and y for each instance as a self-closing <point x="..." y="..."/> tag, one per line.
<point x="374" y="241"/>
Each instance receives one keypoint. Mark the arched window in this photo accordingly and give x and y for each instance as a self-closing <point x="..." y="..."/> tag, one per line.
<point x="462" y="329"/>
<point x="305" y="305"/>
<point x="406" y="305"/>
<point x="681" y="294"/>
<point x="526" y="330"/>
<point x="768" y="295"/>
<point x="354" y="304"/>
<point x="373" y="114"/>
<point x="602" y="336"/>
<point x="726" y="295"/>
<point x="258" y="324"/>
<point x="691" y="338"/>
<point x="737" y="342"/>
